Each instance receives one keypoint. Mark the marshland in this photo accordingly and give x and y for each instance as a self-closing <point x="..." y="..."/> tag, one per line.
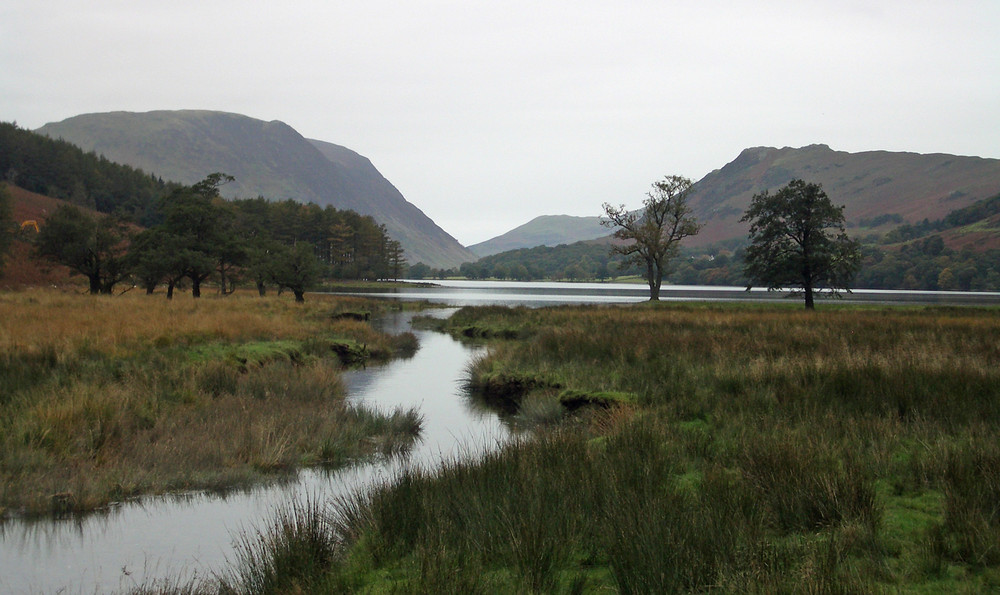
<point x="737" y="448"/>
<point x="105" y="398"/>
<point x="673" y="447"/>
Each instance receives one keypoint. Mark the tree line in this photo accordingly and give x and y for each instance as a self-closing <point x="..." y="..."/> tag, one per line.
<point x="201" y="236"/>
<point x="62" y="170"/>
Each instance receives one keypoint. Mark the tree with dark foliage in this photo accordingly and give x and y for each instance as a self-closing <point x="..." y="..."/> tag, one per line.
<point x="797" y="239"/>
<point x="91" y="246"/>
<point x="296" y="268"/>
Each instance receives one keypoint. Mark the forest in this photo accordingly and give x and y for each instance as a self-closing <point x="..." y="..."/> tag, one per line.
<point x="124" y="225"/>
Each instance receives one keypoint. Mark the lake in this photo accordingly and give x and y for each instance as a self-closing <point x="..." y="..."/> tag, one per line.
<point x="192" y="535"/>
<point x="536" y="294"/>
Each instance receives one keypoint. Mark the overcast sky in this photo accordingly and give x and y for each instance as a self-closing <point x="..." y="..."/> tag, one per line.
<point x="487" y="114"/>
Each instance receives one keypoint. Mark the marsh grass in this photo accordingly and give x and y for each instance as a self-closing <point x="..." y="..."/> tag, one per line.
<point x="760" y="449"/>
<point x="750" y="450"/>
<point x="108" y="398"/>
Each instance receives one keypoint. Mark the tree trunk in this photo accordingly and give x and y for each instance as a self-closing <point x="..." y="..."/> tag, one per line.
<point x="809" y="296"/>
<point x="170" y="289"/>
<point x="299" y="295"/>
<point x="654" y="286"/>
<point x="261" y="288"/>
<point x="95" y="284"/>
<point x="195" y="287"/>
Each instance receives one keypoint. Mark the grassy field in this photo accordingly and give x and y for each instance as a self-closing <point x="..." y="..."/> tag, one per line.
<point x="104" y="398"/>
<point x="712" y="448"/>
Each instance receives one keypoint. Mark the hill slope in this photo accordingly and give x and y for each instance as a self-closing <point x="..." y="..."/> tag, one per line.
<point x="23" y="269"/>
<point x="880" y="189"/>
<point x="547" y="230"/>
<point x="267" y="159"/>
<point x="910" y="186"/>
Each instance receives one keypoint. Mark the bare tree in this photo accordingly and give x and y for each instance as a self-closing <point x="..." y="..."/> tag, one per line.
<point x="651" y="237"/>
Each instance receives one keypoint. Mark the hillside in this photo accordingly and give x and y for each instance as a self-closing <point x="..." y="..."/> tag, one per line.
<point x="22" y="268"/>
<point x="267" y="159"/>
<point x="880" y="190"/>
<point x="547" y="230"/>
<point x="902" y="187"/>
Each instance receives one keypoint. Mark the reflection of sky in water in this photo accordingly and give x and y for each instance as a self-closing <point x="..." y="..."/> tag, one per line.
<point x="192" y="535"/>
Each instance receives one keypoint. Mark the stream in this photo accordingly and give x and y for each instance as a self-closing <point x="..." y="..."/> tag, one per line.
<point x="186" y="536"/>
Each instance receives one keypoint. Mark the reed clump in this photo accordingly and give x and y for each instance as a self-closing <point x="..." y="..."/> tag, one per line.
<point x="108" y="398"/>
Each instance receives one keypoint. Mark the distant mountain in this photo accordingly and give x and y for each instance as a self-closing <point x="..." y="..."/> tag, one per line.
<point x="267" y="159"/>
<point x="879" y="189"/>
<point x="547" y="230"/>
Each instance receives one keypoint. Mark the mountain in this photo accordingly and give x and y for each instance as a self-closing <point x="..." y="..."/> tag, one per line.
<point x="878" y="188"/>
<point x="547" y="230"/>
<point x="267" y="159"/>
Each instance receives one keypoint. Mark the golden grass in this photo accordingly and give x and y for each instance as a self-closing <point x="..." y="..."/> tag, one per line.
<point x="109" y="397"/>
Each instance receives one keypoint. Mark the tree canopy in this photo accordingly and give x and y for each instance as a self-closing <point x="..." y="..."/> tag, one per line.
<point x="93" y="246"/>
<point x="651" y="237"/>
<point x="797" y="239"/>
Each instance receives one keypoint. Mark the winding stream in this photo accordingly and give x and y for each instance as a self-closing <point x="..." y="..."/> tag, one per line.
<point x="192" y="535"/>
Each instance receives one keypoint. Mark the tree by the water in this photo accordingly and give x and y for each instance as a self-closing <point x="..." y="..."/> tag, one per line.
<point x="650" y="238"/>
<point x="797" y="239"/>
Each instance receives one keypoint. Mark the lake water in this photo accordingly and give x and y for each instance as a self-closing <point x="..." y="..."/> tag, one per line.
<point x="192" y="535"/>
<point x="466" y="293"/>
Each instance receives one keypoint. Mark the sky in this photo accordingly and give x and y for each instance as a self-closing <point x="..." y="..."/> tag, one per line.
<point x="488" y="114"/>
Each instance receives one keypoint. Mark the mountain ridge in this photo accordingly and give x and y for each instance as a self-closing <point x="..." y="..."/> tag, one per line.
<point x="898" y="186"/>
<point x="269" y="159"/>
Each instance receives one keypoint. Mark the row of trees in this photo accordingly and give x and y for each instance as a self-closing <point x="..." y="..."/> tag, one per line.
<point x="797" y="237"/>
<point x="202" y="236"/>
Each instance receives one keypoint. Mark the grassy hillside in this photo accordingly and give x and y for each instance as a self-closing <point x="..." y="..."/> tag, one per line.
<point x="908" y="187"/>
<point x="880" y="190"/>
<point x="22" y="268"/>
<point x="267" y="159"/>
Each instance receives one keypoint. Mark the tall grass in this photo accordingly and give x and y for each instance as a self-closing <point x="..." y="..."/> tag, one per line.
<point x="764" y="450"/>
<point x="106" y="398"/>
